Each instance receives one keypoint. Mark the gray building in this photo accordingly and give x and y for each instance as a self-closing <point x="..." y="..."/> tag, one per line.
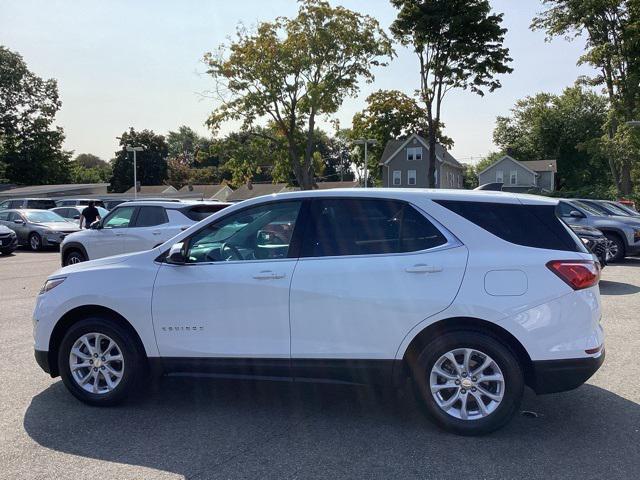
<point x="537" y="175"/>
<point x="405" y="163"/>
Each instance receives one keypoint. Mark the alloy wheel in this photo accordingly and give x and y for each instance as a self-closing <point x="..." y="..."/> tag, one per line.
<point x="96" y="363"/>
<point x="611" y="250"/>
<point x="467" y="384"/>
<point x="34" y="241"/>
<point x="73" y="259"/>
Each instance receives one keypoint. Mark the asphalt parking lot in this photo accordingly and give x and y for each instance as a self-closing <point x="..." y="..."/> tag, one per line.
<point x="204" y="429"/>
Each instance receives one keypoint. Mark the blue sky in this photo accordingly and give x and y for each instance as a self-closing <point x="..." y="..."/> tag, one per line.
<point x="138" y="63"/>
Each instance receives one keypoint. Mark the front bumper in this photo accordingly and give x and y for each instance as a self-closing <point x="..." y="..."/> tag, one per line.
<point x="551" y="376"/>
<point x="42" y="358"/>
<point x="8" y="242"/>
<point x="53" y="239"/>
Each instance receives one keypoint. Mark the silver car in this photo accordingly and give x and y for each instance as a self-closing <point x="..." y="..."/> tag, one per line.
<point x="37" y="228"/>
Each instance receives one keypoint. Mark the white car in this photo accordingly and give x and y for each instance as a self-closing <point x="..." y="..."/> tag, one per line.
<point x="133" y="227"/>
<point x="471" y="294"/>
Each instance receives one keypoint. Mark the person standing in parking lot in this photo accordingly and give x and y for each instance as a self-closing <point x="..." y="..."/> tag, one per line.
<point x="89" y="215"/>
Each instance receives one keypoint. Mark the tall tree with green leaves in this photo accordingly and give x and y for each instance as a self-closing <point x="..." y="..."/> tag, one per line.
<point x="564" y="127"/>
<point x="459" y="44"/>
<point x="294" y="70"/>
<point x="151" y="162"/>
<point x="31" y="150"/>
<point x="611" y="29"/>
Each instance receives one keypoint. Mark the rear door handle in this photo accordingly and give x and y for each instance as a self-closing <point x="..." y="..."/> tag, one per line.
<point x="422" y="268"/>
<point x="268" y="275"/>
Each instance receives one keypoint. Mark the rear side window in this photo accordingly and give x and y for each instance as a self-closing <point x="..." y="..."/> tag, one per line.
<point x="340" y="227"/>
<point x="200" y="212"/>
<point x="528" y="225"/>
<point x="41" y="204"/>
<point x="151" y="216"/>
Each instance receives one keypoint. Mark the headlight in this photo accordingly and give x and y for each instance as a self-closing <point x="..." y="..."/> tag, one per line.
<point x="584" y="240"/>
<point x="50" y="284"/>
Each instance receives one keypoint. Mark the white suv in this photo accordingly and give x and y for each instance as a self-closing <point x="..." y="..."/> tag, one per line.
<point x="133" y="227"/>
<point x="471" y="294"/>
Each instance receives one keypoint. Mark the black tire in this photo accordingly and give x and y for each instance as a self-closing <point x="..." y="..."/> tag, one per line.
<point x="74" y="255"/>
<point x="135" y="370"/>
<point x="422" y="365"/>
<point x="620" y="253"/>
<point x="35" y="241"/>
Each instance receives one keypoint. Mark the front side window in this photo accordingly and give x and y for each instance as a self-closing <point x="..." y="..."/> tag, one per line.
<point x="4" y="216"/>
<point x="339" y="227"/>
<point x="151" y="216"/>
<point x="264" y="232"/>
<point x="397" y="177"/>
<point x="411" y="177"/>
<point x="119" y="218"/>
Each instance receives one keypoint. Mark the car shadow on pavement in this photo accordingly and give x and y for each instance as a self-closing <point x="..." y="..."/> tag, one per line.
<point x="240" y="429"/>
<point x="609" y="287"/>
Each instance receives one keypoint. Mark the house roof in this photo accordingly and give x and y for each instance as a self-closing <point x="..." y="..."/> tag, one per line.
<point x="153" y="189"/>
<point x="257" y="189"/>
<point x="35" y="190"/>
<point x="207" y="190"/>
<point x="394" y="146"/>
<point x="507" y="157"/>
<point x="328" y="185"/>
<point x="542" y="165"/>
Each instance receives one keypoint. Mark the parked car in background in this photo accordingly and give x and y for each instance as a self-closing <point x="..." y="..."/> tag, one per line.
<point x="605" y="208"/>
<point x="72" y="202"/>
<point x="450" y="288"/>
<point x="110" y="204"/>
<point x="72" y="214"/>
<point x="37" y="228"/>
<point x="622" y="233"/>
<point x="30" y="203"/>
<point x="594" y="240"/>
<point x="625" y="208"/>
<point x="8" y="240"/>
<point x="133" y="227"/>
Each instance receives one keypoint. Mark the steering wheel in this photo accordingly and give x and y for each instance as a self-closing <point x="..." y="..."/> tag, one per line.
<point x="235" y="253"/>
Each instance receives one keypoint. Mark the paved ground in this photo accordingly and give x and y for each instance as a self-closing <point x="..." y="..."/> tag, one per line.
<point x="213" y="429"/>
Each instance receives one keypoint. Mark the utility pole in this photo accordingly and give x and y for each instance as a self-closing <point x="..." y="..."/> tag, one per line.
<point x="365" y="142"/>
<point x="135" y="169"/>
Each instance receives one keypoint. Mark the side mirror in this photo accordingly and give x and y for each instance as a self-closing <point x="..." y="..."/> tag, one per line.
<point x="576" y="214"/>
<point x="19" y="221"/>
<point x="176" y="254"/>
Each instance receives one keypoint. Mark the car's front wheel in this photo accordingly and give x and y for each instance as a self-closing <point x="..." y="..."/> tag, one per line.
<point x="469" y="382"/>
<point x="73" y="257"/>
<point x="35" y="242"/>
<point x="615" y="248"/>
<point x="99" y="362"/>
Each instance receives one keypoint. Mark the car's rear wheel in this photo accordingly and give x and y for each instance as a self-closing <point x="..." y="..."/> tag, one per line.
<point x="35" y="241"/>
<point x="469" y="382"/>
<point x="99" y="362"/>
<point x="615" y="248"/>
<point x="73" y="257"/>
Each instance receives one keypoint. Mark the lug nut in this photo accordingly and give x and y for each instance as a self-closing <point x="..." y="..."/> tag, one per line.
<point x="90" y="362"/>
<point x="457" y="382"/>
<point x="102" y="367"/>
<point x="95" y="355"/>
<point x="473" y="389"/>
<point x="464" y="374"/>
<point x="95" y="369"/>
<point x="463" y="391"/>
<point x="103" y="359"/>
<point x="475" y="379"/>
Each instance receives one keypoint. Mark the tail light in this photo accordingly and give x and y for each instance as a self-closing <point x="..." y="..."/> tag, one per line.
<point x="578" y="274"/>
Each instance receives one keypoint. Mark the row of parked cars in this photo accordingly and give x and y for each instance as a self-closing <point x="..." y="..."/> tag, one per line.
<point x="128" y="227"/>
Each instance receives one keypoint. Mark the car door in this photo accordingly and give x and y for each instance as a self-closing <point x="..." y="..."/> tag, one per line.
<point x="147" y="230"/>
<point x="18" y="224"/>
<point x="107" y="240"/>
<point x="231" y="297"/>
<point x="571" y="214"/>
<point x="369" y="271"/>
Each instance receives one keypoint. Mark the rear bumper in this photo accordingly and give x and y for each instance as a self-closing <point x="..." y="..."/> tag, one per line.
<point x="552" y="376"/>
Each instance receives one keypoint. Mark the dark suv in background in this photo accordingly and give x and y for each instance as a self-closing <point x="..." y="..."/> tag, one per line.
<point x="28" y="203"/>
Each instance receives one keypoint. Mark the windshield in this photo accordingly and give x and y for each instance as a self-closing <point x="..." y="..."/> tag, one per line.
<point x="622" y="208"/>
<point x="589" y="208"/>
<point x="43" y="217"/>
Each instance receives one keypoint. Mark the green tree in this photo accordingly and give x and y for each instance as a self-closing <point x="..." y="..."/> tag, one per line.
<point x="89" y="168"/>
<point x="612" y="32"/>
<point x="151" y="162"/>
<point x="564" y="127"/>
<point x="459" y="44"/>
<point x="187" y="145"/>
<point x="389" y="115"/>
<point x="293" y="70"/>
<point x="31" y="146"/>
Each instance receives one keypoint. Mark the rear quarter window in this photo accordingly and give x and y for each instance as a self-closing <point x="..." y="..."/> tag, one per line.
<point x="534" y="226"/>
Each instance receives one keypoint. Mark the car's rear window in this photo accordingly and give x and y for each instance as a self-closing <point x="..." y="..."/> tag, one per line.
<point x="41" y="204"/>
<point x="528" y="225"/>
<point x="200" y="212"/>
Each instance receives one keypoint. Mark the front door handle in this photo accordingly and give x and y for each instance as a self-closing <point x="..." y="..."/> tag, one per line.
<point x="268" y="275"/>
<point x="422" y="268"/>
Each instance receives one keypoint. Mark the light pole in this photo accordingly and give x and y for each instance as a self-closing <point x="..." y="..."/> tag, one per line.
<point x="365" y="142"/>
<point x="135" y="169"/>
